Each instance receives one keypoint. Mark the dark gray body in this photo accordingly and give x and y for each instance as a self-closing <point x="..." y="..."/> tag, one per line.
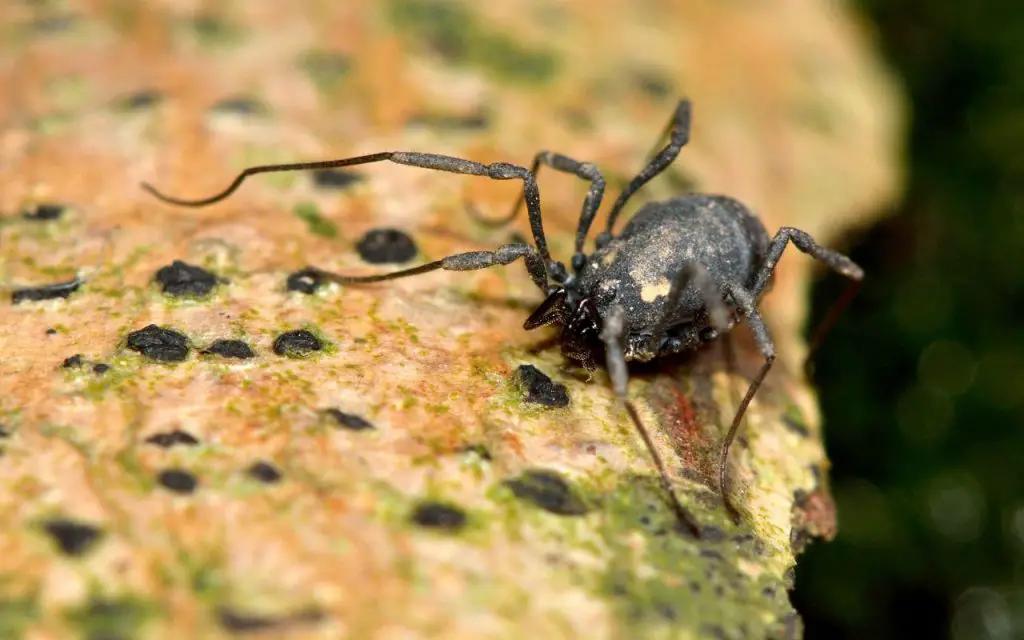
<point x="639" y="265"/>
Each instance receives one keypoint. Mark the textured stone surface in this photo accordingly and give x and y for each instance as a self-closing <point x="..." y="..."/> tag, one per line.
<point x="792" y="115"/>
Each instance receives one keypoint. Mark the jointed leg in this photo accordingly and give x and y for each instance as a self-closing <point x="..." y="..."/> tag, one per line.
<point x="679" y="135"/>
<point x="612" y="335"/>
<point x="495" y="171"/>
<point x="710" y="293"/>
<point x="804" y="242"/>
<point x="837" y="261"/>
<point x="746" y="303"/>
<point x="591" y="203"/>
<point x="469" y="261"/>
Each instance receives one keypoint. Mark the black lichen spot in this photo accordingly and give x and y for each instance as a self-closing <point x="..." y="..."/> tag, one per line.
<point x="72" y="362"/>
<point x="99" y="368"/>
<point x="44" y="212"/>
<point x="230" y="349"/>
<point x="711" y="533"/>
<point x="438" y="515"/>
<point x="183" y="279"/>
<point x="210" y="30"/>
<point x="178" y="481"/>
<point x="540" y="389"/>
<point x="350" y="421"/>
<point x="4" y="433"/>
<point x="241" y="105"/>
<point x="51" y="331"/>
<point x="386" y="246"/>
<point x="336" y="178"/>
<point x="306" y="280"/>
<point x="547" y="490"/>
<point x="264" y="472"/>
<point x="295" y="344"/>
<point x="45" y="292"/>
<point x="234" y="621"/>
<point x="163" y="345"/>
<point x="169" y="439"/>
<point x="139" y="100"/>
<point x="73" y="538"/>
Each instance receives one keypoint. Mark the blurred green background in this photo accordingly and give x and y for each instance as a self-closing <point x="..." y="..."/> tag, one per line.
<point x="923" y="382"/>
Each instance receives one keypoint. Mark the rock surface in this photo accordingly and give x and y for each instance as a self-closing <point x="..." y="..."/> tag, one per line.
<point x="793" y="115"/>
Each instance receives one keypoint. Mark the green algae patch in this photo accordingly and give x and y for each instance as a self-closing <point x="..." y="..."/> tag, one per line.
<point x="96" y="386"/>
<point x="450" y="29"/>
<point x="211" y="31"/>
<point x="70" y="92"/>
<point x="120" y="617"/>
<point x="318" y="225"/>
<point x="326" y="69"/>
<point x="659" y="578"/>
<point x="16" y="615"/>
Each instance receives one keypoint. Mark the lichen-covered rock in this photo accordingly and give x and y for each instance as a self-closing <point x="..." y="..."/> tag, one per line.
<point x="227" y="500"/>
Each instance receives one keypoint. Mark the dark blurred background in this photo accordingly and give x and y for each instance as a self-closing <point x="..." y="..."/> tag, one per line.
<point x="923" y="382"/>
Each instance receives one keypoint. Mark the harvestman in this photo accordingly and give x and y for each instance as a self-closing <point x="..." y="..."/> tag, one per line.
<point x="681" y="273"/>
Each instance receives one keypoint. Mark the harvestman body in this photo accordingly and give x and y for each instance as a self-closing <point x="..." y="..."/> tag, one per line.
<point x="680" y="274"/>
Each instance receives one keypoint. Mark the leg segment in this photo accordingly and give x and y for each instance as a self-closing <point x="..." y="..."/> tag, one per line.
<point x="804" y="242"/>
<point x="678" y="130"/>
<point x="591" y="203"/>
<point x="469" y="261"/>
<point x="612" y="335"/>
<point x="837" y="261"/>
<point x="494" y="171"/>
<point x="710" y="292"/>
<point x="746" y="304"/>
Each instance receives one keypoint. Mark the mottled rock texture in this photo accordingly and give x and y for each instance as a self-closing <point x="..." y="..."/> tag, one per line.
<point x="274" y="519"/>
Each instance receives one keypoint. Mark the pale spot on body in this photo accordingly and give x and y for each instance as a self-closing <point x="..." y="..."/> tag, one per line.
<point x="609" y="257"/>
<point x="651" y="292"/>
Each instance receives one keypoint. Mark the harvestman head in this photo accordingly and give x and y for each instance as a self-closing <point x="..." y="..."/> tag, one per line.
<point x="680" y="274"/>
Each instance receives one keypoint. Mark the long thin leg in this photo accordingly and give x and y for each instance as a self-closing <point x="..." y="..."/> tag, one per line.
<point x="501" y="222"/>
<point x="612" y="334"/>
<point x="468" y="261"/>
<point x="818" y="337"/>
<point x="746" y="303"/>
<point x="804" y="242"/>
<point x="729" y="357"/>
<point x="837" y="261"/>
<point x="679" y="135"/>
<point x="711" y="295"/>
<point x="591" y="203"/>
<point x="495" y="171"/>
